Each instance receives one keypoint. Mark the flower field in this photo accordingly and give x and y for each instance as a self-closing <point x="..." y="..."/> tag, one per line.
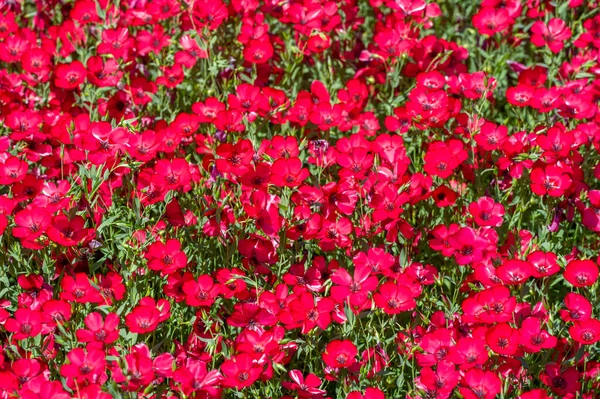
<point x="359" y="199"/>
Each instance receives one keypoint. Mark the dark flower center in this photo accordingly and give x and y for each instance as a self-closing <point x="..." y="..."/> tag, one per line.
<point x="243" y="376"/>
<point x="559" y="382"/>
<point x="341" y="359"/>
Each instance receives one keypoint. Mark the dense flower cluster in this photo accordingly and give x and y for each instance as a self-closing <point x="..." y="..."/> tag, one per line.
<point x="299" y="199"/>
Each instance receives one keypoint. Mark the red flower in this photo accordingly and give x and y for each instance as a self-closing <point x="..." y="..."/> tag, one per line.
<point x="26" y="323"/>
<point x="230" y="121"/>
<point x="258" y="343"/>
<point x="153" y="41"/>
<point x="103" y="73"/>
<point x="200" y="292"/>
<point x="172" y="174"/>
<point x="469" y="352"/>
<point x="353" y="289"/>
<point x="554" y="35"/>
<point x="208" y="110"/>
<point x="8" y="25"/>
<point x="578" y="308"/>
<point x="194" y="376"/>
<point x="591" y="216"/>
<point x="79" y="289"/>
<point x="172" y="76"/>
<point x="283" y="147"/>
<point x="491" y="20"/>
<point x="166" y="258"/>
<point x="428" y="106"/>
<point x="250" y="315"/>
<point x="356" y="162"/>
<point x="334" y="233"/>
<point x="140" y="370"/>
<point x="476" y="85"/>
<point x="232" y="282"/>
<point x="99" y="331"/>
<point x="102" y="141"/>
<point x="115" y="42"/>
<point x="436" y="346"/>
<point x="521" y="95"/>
<point x="147" y="315"/>
<point x="53" y="196"/>
<point x="391" y="43"/>
<point x="163" y="9"/>
<point x="491" y="136"/>
<point x="209" y="13"/>
<point x="84" y="12"/>
<point x="111" y="287"/>
<point x="248" y="98"/>
<point x="394" y="298"/>
<point x="545" y="100"/>
<point x="56" y="312"/>
<point x="340" y="354"/>
<point x="310" y="278"/>
<point x="307" y="312"/>
<point x="443" y="157"/>
<point x="481" y="384"/>
<point x="240" y="371"/>
<point x="533" y="338"/>
<point x="514" y="271"/>
<point x="70" y="76"/>
<point x="468" y="246"/>
<point x="556" y="143"/>
<point x="235" y="158"/>
<point x="441" y="381"/>
<point x="288" y="172"/>
<point x="489" y="306"/>
<point x="375" y="258"/>
<point x="258" y="51"/>
<point x="550" y="179"/>
<point x="39" y="388"/>
<point x="444" y="196"/>
<point x="191" y="52"/>
<point x="561" y="382"/>
<point x="544" y="263"/>
<point x="487" y="212"/>
<point x="318" y="43"/>
<point x="12" y="169"/>
<point x="422" y="274"/>
<point x="305" y="387"/>
<point x="85" y="367"/>
<point x="140" y="90"/>
<point x="67" y="232"/>
<point x="143" y="147"/>
<point x="576" y="106"/>
<point x="388" y="204"/>
<point x="581" y="273"/>
<point x="31" y="223"/>
<point x="534" y="394"/>
<point x="586" y="332"/>
<point x="370" y="393"/>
